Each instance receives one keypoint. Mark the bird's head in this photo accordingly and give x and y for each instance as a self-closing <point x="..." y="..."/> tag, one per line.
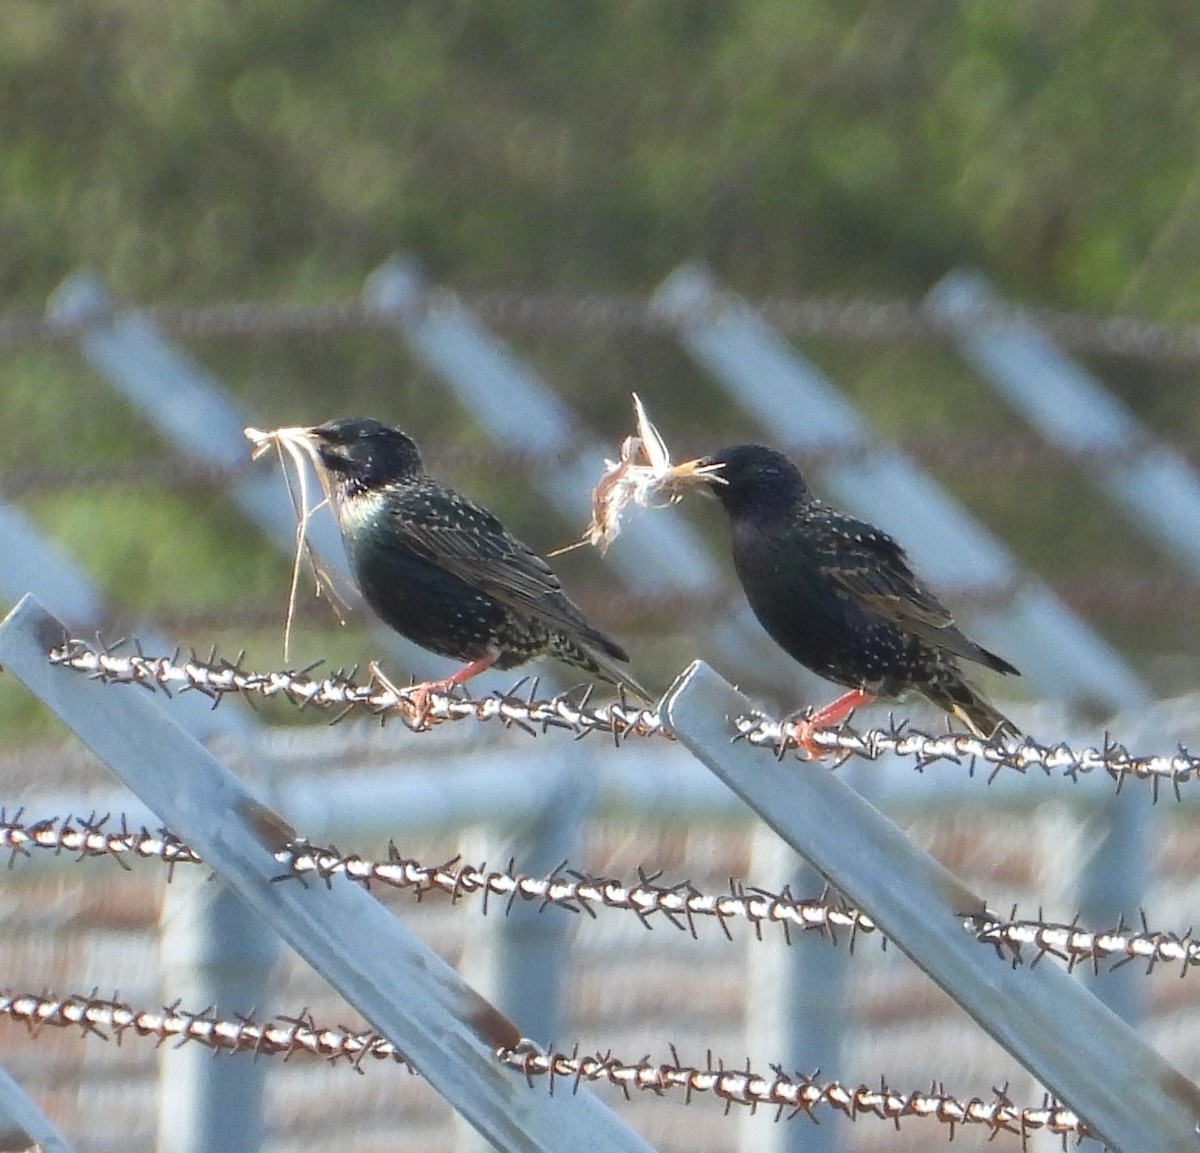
<point x="753" y="478"/>
<point x="365" y="453"/>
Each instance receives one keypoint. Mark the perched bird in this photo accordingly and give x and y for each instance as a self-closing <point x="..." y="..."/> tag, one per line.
<point x="839" y="596"/>
<point x="443" y="571"/>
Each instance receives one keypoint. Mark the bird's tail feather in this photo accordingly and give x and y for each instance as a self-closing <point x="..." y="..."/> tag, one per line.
<point x="959" y="699"/>
<point x="597" y="661"/>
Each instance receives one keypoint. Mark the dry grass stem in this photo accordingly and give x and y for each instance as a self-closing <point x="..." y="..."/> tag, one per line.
<point x="294" y="444"/>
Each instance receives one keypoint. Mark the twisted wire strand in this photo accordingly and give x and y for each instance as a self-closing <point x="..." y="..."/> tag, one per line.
<point x="109" y="1018"/>
<point x="572" y="711"/>
<point x="900" y="740"/>
<point x="683" y="905"/>
<point x="217" y="678"/>
<point x="789" y="1095"/>
<point x="86" y="837"/>
<point x="1069" y="942"/>
<point x="795" y="1094"/>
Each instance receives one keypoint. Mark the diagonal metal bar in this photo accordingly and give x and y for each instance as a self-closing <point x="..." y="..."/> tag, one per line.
<point x="23" y="1126"/>
<point x="396" y="982"/>
<point x="1153" y="483"/>
<point x="1126" y="1092"/>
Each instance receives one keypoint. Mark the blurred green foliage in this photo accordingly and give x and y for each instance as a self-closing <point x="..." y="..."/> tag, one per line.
<point x="192" y="147"/>
<point x="199" y="150"/>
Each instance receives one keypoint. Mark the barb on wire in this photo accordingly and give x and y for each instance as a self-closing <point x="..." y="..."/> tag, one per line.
<point x="105" y="1018"/>
<point x="683" y="905"/>
<point x="217" y="678"/>
<point x="996" y="754"/>
<point x="1078" y="946"/>
<point x="573" y="711"/>
<point x="791" y="1095"/>
<point x="88" y="837"/>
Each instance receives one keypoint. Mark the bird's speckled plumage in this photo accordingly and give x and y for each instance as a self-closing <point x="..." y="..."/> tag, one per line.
<point x="839" y="595"/>
<point x="442" y="570"/>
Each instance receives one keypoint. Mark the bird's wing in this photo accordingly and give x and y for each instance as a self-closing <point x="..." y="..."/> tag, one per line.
<point x="471" y="543"/>
<point x="868" y="566"/>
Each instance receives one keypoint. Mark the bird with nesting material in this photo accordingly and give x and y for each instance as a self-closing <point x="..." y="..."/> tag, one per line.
<point x="839" y="595"/>
<point x="439" y="568"/>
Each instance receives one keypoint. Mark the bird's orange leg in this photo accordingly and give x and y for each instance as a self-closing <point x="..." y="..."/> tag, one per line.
<point x="418" y="695"/>
<point x="827" y="717"/>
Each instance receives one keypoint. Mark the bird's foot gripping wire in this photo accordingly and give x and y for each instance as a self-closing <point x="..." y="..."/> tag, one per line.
<point x="809" y="721"/>
<point x="415" y="701"/>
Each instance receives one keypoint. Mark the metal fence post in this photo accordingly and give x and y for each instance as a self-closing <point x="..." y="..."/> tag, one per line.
<point x="795" y="1001"/>
<point x="532" y="947"/>
<point x="398" y="984"/>
<point x="213" y="951"/>
<point x="1129" y="1096"/>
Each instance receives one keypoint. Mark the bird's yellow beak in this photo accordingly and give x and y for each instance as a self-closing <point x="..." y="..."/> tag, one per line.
<point x="702" y="470"/>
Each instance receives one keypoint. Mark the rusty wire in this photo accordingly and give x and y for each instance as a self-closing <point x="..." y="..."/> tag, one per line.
<point x="557" y="314"/>
<point x="789" y="1096"/>
<point x="1078" y="946"/>
<point x="792" y="1095"/>
<point x="572" y="711"/>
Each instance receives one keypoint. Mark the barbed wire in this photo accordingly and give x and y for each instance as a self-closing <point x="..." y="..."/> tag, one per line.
<point x="1077" y="946"/>
<point x="996" y="754"/>
<point x="285" y="1036"/>
<point x="87" y="837"/>
<point x="217" y="678"/>
<point x="683" y="905"/>
<point x="557" y="313"/>
<point x="790" y="1096"/>
<point x="572" y="711"/>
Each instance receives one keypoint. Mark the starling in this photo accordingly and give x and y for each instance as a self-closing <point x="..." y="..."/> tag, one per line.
<point x="839" y="596"/>
<point x="443" y="571"/>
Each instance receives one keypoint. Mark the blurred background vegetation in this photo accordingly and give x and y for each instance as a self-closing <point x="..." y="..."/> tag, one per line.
<point x="195" y="151"/>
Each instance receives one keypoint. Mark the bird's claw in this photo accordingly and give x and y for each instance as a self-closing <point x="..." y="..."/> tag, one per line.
<point x="804" y="726"/>
<point x="413" y="703"/>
